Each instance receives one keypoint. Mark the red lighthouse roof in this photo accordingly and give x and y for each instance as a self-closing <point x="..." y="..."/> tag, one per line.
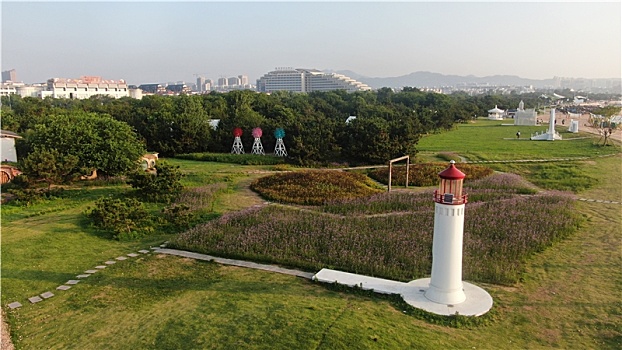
<point x="452" y="173"/>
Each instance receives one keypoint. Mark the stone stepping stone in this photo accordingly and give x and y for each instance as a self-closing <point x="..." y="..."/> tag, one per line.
<point x="143" y="251"/>
<point x="15" y="305"/>
<point x="132" y="255"/>
<point x="63" y="287"/>
<point x="162" y="245"/>
<point x="46" y="295"/>
<point x="35" y="299"/>
<point x="100" y="267"/>
<point x="72" y="282"/>
<point x="90" y="271"/>
<point x="120" y="258"/>
<point x="110" y="262"/>
<point x="155" y="248"/>
<point x="83" y="276"/>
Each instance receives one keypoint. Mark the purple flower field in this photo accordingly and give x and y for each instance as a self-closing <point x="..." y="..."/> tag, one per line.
<point x="389" y="235"/>
<point x="200" y="198"/>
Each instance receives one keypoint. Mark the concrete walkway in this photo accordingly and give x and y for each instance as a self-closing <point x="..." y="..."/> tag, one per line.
<point x="233" y="262"/>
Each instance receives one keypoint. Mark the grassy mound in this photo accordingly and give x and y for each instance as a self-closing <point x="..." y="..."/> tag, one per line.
<point x="425" y="174"/>
<point x="314" y="187"/>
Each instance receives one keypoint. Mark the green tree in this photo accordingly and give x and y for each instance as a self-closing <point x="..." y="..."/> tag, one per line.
<point x="97" y="141"/>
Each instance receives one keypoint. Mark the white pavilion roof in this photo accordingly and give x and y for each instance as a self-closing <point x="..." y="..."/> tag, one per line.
<point x="496" y="110"/>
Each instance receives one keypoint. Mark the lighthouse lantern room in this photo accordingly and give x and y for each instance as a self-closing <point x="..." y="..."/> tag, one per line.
<point x="450" y="188"/>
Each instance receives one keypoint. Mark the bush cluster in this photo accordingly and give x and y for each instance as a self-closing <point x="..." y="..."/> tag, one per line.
<point x="314" y="187"/>
<point x="127" y="218"/>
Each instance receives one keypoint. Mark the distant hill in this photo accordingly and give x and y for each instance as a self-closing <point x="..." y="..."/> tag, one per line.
<point x="429" y="79"/>
<point x="432" y="80"/>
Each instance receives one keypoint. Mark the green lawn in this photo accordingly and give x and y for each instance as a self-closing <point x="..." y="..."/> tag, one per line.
<point x="489" y="140"/>
<point x="570" y="298"/>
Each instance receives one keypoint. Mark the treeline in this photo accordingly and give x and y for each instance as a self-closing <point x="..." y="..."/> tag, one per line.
<point x="388" y="124"/>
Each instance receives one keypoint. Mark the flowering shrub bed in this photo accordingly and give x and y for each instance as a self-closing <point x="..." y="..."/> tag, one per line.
<point x="494" y="187"/>
<point x="497" y="186"/>
<point x="383" y="246"/>
<point x="314" y="187"/>
<point x="499" y="236"/>
<point x="385" y="202"/>
<point x="425" y="174"/>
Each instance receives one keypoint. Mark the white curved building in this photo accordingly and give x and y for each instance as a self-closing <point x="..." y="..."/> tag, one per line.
<point x="307" y="80"/>
<point x="86" y="87"/>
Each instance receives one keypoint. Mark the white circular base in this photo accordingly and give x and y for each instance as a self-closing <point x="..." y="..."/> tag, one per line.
<point x="477" y="303"/>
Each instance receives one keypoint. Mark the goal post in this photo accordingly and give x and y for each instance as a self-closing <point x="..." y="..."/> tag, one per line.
<point x="391" y="168"/>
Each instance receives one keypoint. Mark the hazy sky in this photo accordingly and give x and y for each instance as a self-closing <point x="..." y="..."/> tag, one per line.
<point x="155" y="42"/>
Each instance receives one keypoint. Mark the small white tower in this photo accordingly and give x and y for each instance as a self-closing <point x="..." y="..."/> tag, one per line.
<point x="279" y="148"/>
<point x="551" y="134"/>
<point x="237" y="148"/>
<point x="257" y="146"/>
<point x="446" y="281"/>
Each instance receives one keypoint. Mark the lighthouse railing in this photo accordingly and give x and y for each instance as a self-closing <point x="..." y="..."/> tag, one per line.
<point x="448" y="198"/>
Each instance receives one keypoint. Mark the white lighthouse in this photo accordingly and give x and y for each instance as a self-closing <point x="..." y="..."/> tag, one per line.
<point x="445" y="293"/>
<point x="446" y="282"/>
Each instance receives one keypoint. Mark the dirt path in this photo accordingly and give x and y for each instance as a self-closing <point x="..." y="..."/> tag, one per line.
<point x="5" y="337"/>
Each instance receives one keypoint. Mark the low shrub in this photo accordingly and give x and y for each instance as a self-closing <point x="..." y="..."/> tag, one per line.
<point x="314" y="187"/>
<point x="23" y="192"/>
<point x="163" y="186"/>
<point x="126" y="218"/>
<point x="178" y="215"/>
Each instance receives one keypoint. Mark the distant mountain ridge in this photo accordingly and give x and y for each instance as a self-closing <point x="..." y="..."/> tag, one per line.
<point x="430" y="79"/>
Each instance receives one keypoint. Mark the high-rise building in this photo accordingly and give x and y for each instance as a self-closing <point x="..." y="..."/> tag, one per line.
<point x="234" y="81"/>
<point x="307" y="80"/>
<point x="200" y="84"/>
<point x="222" y="82"/>
<point x="243" y="79"/>
<point x="9" y="75"/>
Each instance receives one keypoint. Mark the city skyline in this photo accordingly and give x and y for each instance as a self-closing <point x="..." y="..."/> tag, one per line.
<point x="152" y="42"/>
